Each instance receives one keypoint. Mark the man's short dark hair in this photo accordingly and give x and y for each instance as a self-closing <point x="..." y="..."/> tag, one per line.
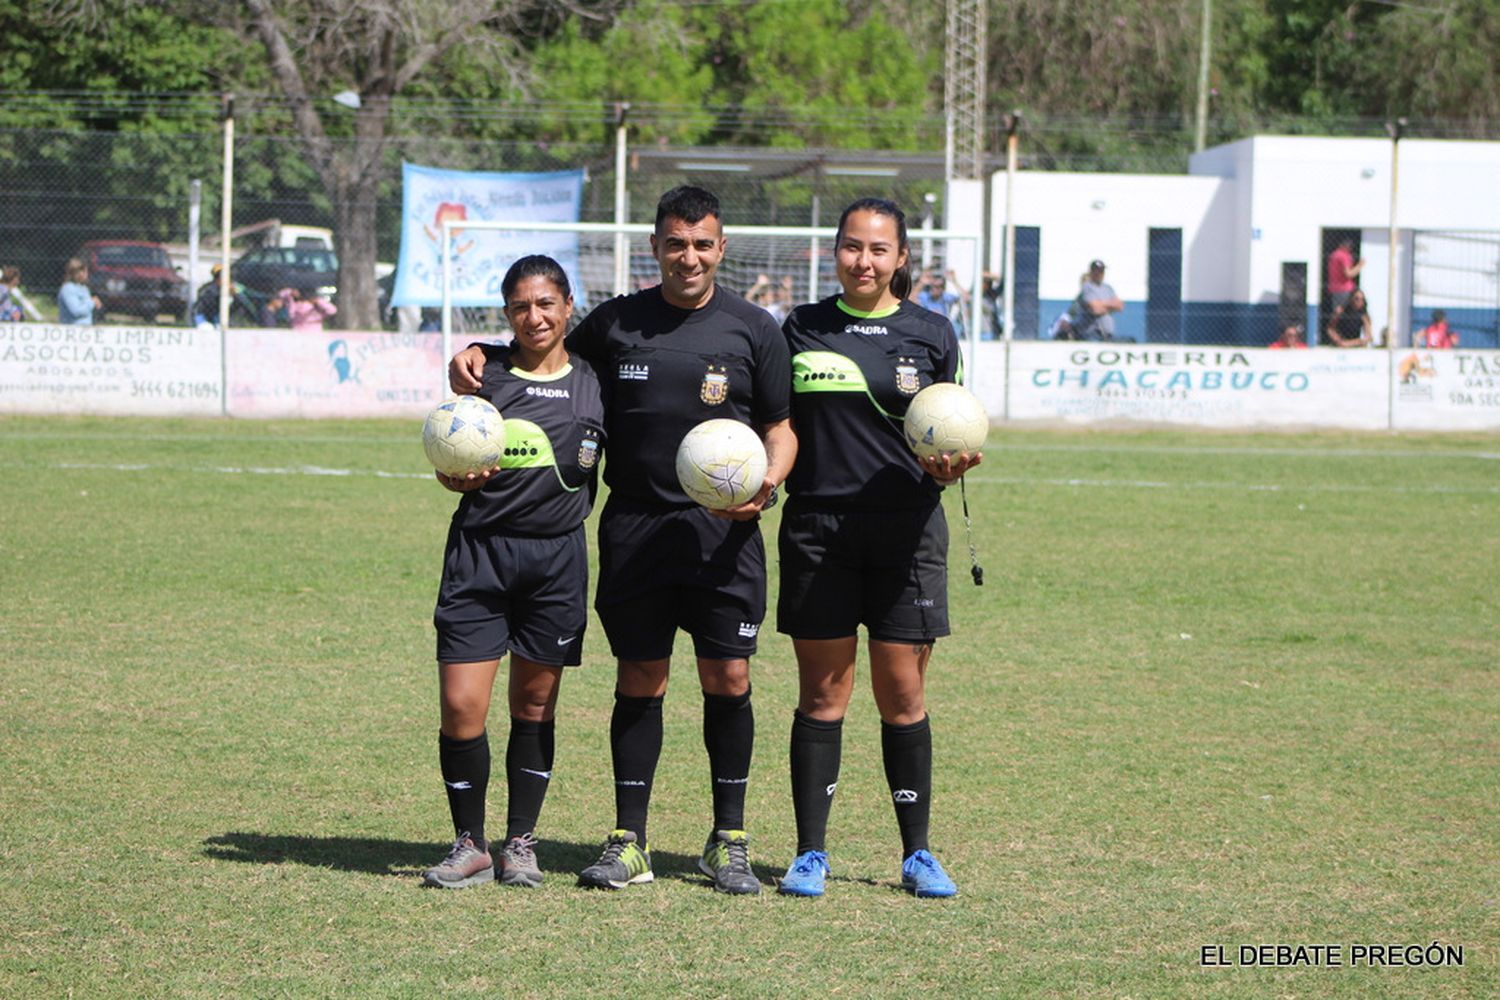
<point x="688" y="203"/>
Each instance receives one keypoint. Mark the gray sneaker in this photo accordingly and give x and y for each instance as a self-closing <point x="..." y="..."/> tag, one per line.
<point x="624" y="862"/>
<point x="468" y="863"/>
<point x="726" y="860"/>
<point x="518" y="862"/>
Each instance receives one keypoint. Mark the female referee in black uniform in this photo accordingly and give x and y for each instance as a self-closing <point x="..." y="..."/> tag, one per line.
<point x="863" y="538"/>
<point x="515" y="577"/>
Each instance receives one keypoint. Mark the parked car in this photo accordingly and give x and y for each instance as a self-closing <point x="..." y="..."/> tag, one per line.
<point x="267" y="270"/>
<point x="312" y="270"/>
<point x="134" y="277"/>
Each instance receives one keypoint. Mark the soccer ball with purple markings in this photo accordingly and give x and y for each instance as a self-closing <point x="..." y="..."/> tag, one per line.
<point x="464" y="435"/>
<point x="721" y="463"/>
<point x="945" y="418"/>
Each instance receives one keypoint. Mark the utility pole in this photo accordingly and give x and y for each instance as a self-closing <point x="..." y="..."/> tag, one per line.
<point x="1200" y="137"/>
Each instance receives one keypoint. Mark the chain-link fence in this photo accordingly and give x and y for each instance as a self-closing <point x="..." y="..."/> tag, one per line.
<point x="1185" y="271"/>
<point x="1455" y="289"/>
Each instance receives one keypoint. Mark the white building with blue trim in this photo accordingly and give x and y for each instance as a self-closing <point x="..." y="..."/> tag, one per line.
<point x="1236" y="248"/>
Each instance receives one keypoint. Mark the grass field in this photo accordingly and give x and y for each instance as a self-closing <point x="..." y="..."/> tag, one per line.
<point x="1217" y="690"/>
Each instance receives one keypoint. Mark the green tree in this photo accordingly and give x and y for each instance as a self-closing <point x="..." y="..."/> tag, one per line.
<point x="652" y="56"/>
<point x="1438" y="62"/>
<point x="813" y="73"/>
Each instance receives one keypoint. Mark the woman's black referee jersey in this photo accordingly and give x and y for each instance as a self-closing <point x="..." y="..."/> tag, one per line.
<point x="554" y="438"/>
<point x="852" y="378"/>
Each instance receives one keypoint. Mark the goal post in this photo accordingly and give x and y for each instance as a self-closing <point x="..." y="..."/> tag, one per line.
<point x="778" y="266"/>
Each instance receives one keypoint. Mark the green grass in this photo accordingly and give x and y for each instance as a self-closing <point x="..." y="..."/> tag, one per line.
<point x="1217" y="689"/>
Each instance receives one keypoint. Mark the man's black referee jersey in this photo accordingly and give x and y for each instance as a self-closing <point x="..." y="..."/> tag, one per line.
<point x="852" y="378"/>
<point x="554" y="438"/>
<point x="665" y="370"/>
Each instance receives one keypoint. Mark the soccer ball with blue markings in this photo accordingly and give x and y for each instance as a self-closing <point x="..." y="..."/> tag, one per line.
<point x="721" y="463"/>
<point x="464" y="435"/>
<point x="945" y="418"/>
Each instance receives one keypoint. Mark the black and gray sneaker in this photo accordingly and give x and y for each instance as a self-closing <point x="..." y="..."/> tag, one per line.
<point x="726" y="860"/>
<point x="624" y="862"/>
<point x="518" y="862"/>
<point x="468" y="863"/>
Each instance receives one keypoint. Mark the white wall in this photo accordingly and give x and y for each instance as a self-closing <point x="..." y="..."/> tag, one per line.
<point x="1296" y="186"/>
<point x="1247" y="207"/>
<point x="1084" y="216"/>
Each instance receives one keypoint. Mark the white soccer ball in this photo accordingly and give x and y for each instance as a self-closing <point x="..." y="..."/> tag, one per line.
<point x="464" y="435"/>
<point x="721" y="463"/>
<point x="945" y="418"/>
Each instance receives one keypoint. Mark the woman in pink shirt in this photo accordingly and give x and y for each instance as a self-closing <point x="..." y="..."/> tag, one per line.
<point x="306" y="313"/>
<point x="1436" y="336"/>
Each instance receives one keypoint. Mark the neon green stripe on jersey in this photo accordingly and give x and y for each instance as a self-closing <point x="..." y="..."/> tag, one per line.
<point x="890" y="310"/>
<point x="526" y="446"/>
<point x="825" y="371"/>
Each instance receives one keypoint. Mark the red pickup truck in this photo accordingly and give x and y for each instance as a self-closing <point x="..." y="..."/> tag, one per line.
<point x="136" y="278"/>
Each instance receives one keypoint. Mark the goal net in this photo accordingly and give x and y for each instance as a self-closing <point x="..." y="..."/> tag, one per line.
<point x="776" y="267"/>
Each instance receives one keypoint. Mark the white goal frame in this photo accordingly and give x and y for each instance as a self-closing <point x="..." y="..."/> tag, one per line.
<point x="817" y="237"/>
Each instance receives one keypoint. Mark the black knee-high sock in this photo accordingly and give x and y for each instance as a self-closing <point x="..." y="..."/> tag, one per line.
<point x="729" y="738"/>
<point x="466" y="774"/>
<point x="635" y="746"/>
<point x="908" y="771"/>
<point x="817" y="748"/>
<point x="528" y="771"/>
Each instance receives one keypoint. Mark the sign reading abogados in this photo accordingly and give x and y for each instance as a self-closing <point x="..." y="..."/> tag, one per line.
<point x="54" y="368"/>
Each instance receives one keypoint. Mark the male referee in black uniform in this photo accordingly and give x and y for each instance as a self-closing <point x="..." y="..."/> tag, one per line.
<point x="670" y="357"/>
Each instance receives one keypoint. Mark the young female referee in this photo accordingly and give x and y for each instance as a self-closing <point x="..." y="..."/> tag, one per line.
<point x="863" y="538"/>
<point x="515" y="577"/>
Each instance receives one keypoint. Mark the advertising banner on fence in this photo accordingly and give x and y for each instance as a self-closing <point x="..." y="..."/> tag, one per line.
<point x="283" y="373"/>
<point x="479" y="257"/>
<point x="1202" y="386"/>
<point x="52" y="368"/>
<point x="1447" y="390"/>
<point x="985" y="375"/>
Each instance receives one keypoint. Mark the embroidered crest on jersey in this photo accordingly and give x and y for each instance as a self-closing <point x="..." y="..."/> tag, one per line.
<point x="588" y="453"/>
<point x="715" y="387"/>
<point x="906" y="376"/>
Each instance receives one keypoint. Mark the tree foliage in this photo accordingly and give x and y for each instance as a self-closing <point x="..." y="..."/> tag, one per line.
<point x="1099" y="82"/>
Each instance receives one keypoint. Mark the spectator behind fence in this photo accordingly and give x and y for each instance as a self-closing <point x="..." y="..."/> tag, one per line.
<point x="1091" y="316"/>
<point x="993" y="299"/>
<point x="75" y="303"/>
<point x="932" y="293"/>
<point x="1291" y="337"/>
<point x="14" y="307"/>
<point x="274" y="313"/>
<point x="206" y="305"/>
<point x="1436" y="335"/>
<point x="1350" y="325"/>
<point x="774" y="298"/>
<point x="1342" y="270"/>
<point x="307" y="311"/>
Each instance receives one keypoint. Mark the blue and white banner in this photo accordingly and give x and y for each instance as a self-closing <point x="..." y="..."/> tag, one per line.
<point x="479" y="257"/>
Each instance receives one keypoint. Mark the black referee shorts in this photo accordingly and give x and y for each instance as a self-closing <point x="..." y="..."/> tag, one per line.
<point x="886" y="570"/>
<point x="666" y="568"/>
<point x="505" y="593"/>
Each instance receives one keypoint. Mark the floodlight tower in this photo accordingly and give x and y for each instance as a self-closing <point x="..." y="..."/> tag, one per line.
<point x="963" y="89"/>
<point x="963" y="107"/>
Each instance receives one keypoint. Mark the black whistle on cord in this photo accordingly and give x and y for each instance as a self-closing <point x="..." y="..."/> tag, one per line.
<point x="977" y="572"/>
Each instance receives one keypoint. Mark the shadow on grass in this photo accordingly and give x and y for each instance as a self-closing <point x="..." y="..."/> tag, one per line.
<point x="560" y="859"/>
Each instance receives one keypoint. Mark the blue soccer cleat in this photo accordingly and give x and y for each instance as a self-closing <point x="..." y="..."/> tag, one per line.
<point x="806" y="875"/>
<point x="921" y="875"/>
